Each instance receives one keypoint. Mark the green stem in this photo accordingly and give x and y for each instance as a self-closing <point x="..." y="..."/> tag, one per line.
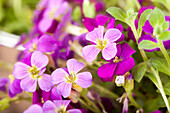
<point x="105" y="91"/>
<point x="84" y="103"/>
<point x="164" y="52"/>
<point x="161" y="88"/>
<point x="132" y="100"/>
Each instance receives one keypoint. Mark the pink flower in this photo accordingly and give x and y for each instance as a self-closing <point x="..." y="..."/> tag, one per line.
<point x="105" y="44"/>
<point x="65" y="80"/>
<point x="30" y="75"/>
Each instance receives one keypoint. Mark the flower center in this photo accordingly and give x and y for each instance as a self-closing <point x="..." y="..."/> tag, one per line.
<point x="34" y="47"/>
<point x="11" y="77"/>
<point x="34" y="72"/>
<point x="42" y="100"/>
<point x="116" y="60"/>
<point x="101" y="44"/>
<point x="71" y="78"/>
<point x="61" y="109"/>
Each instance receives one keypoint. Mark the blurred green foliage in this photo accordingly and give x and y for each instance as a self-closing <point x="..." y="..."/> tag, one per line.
<point x="16" y="15"/>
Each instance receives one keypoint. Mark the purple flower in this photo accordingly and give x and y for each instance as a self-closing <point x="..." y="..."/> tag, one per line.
<point x="157" y="111"/>
<point x="125" y="105"/>
<point x="65" y="80"/>
<point x="3" y="82"/>
<point x="58" y="106"/>
<point x="53" y="12"/>
<point x="105" y="44"/>
<point x="120" y="80"/>
<point x="119" y="65"/>
<point x="34" y="109"/>
<point x="29" y="75"/>
<point x="14" y="86"/>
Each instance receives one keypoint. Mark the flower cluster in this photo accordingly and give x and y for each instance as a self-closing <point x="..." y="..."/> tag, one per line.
<point x="71" y="66"/>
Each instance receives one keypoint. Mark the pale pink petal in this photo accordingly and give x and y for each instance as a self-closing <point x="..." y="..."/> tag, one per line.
<point x="34" y="109"/>
<point x="64" y="89"/>
<point x="109" y="51"/>
<point x="97" y="33"/>
<point x="58" y="76"/>
<point x="63" y="103"/>
<point x="84" y="79"/>
<point x="74" y="111"/>
<point x="49" y="107"/>
<point x="74" y="66"/>
<point x="112" y="35"/>
<point x="28" y="84"/>
<point x="90" y="52"/>
<point x="45" y="82"/>
<point x="39" y="60"/>
<point x="20" y="70"/>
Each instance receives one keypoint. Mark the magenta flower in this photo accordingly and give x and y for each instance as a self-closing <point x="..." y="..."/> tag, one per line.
<point x="105" y="44"/>
<point x="119" y="65"/>
<point x="58" y="106"/>
<point x="29" y="75"/>
<point x="3" y="82"/>
<point x="65" y="80"/>
<point x="34" y="109"/>
<point x="14" y="86"/>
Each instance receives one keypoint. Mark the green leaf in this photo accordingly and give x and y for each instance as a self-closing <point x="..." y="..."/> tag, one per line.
<point x="88" y="9"/>
<point x="76" y="14"/>
<point x="144" y="16"/>
<point x="165" y="26"/>
<point x="152" y="78"/>
<point x="161" y="65"/>
<point x="131" y="18"/>
<point x="157" y="17"/>
<point x="117" y="13"/>
<point x="130" y="12"/>
<point x="4" y="104"/>
<point x="147" y="44"/>
<point x="139" y="71"/>
<point x="164" y="36"/>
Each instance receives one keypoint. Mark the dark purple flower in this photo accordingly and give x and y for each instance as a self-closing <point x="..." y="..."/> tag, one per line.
<point x="14" y="86"/>
<point x="119" y="65"/>
<point x="34" y="109"/>
<point x="30" y="75"/>
<point x="58" y="106"/>
<point x="3" y="82"/>
<point x="157" y="111"/>
<point x="106" y="44"/>
<point x="66" y="79"/>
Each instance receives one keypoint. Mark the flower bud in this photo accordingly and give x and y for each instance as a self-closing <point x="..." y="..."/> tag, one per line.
<point x="120" y="81"/>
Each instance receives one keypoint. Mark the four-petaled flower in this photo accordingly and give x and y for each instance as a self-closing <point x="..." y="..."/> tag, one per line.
<point x="58" y="106"/>
<point x="65" y="80"/>
<point x="105" y="44"/>
<point x="29" y="75"/>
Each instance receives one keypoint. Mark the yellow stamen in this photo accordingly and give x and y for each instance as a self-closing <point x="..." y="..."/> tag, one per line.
<point x="11" y="77"/>
<point x="116" y="60"/>
<point x="101" y="44"/>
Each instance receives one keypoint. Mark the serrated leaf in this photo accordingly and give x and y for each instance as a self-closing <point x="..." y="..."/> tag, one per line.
<point x="117" y="13"/>
<point x="161" y="65"/>
<point x="157" y="17"/>
<point x="144" y="16"/>
<point x="152" y="78"/>
<point x="147" y="44"/>
<point x="139" y="71"/>
<point x="130" y="11"/>
<point x="164" y="36"/>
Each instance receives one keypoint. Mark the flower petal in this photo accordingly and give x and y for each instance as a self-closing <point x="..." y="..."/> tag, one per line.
<point x="74" y="66"/>
<point x="90" y="52"/>
<point x="112" y="35"/>
<point x="102" y="19"/>
<point x="147" y="27"/>
<point x="20" y="70"/>
<point x="29" y="84"/>
<point x="49" y="107"/>
<point x="84" y="79"/>
<point x="95" y="34"/>
<point x="127" y="51"/>
<point x="45" y="82"/>
<point x="106" y="70"/>
<point x="90" y="23"/>
<point x="34" y="109"/>
<point x="125" y="66"/>
<point x="109" y="51"/>
<point x="64" y="89"/>
<point x="74" y="111"/>
<point x="55" y="95"/>
<point x="39" y="60"/>
<point x="63" y="103"/>
<point x="58" y="76"/>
